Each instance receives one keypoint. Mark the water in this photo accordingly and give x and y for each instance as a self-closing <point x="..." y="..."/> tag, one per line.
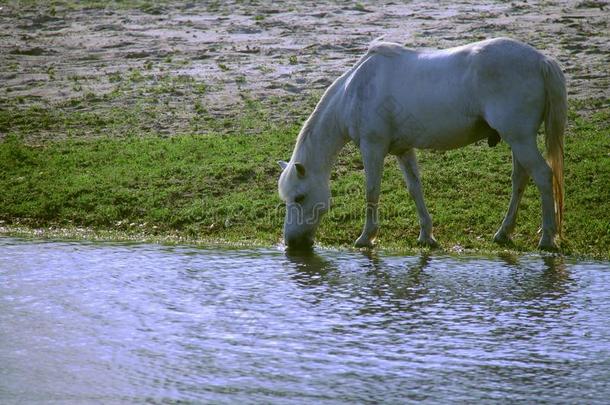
<point x="144" y="323"/>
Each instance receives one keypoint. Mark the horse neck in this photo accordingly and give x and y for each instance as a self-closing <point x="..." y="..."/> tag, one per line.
<point x="319" y="143"/>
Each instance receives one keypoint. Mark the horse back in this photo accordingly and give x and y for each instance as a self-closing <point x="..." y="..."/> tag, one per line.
<point x="439" y="99"/>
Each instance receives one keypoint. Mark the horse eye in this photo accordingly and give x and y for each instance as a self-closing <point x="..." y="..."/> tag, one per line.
<point x="299" y="198"/>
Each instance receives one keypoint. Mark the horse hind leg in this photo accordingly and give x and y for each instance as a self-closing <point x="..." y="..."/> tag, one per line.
<point x="517" y="120"/>
<point x="519" y="182"/>
<point x="408" y="165"/>
<point x="527" y="154"/>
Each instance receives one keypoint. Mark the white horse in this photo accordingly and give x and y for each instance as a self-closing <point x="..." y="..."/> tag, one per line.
<point x="394" y="100"/>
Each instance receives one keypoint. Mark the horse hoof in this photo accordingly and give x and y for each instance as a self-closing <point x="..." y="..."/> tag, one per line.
<point x="548" y="246"/>
<point x="427" y="242"/>
<point x="363" y="243"/>
<point x="502" y="238"/>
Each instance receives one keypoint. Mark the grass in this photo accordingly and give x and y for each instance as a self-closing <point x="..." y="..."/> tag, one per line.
<point x="221" y="186"/>
<point x="185" y="184"/>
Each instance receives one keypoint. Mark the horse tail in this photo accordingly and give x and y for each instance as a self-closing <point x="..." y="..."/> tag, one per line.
<point x="554" y="125"/>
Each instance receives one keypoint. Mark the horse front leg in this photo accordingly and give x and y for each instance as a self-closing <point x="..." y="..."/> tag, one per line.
<point x="519" y="180"/>
<point x="408" y="165"/>
<point x="372" y="157"/>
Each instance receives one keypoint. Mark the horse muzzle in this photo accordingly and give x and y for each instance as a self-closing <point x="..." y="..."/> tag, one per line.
<point x="303" y="242"/>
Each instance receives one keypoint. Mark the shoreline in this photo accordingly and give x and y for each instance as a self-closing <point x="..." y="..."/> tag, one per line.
<point x="89" y="235"/>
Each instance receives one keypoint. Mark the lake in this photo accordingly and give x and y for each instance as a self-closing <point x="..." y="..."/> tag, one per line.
<point x="124" y="323"/>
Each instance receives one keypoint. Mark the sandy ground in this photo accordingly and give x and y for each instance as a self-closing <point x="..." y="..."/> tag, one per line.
<point x="236" y="50"/>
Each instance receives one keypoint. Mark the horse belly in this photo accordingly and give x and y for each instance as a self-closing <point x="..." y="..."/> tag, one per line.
<point x="438" y="134"/>
<point x="436" y="117"/>
<point x="452" y="138"/>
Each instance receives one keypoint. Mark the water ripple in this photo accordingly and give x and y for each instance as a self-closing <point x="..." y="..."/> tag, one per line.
<point x="143" y="323"/>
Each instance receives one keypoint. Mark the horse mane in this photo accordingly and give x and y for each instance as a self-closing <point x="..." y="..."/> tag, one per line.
<point x="321" y="108"/>
<point x="376" y="47"/>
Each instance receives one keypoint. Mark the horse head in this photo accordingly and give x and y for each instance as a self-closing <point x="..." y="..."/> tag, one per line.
<point x="307" y="198"/>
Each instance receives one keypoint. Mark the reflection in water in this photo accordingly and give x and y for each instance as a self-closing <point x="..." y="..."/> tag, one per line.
<point x="407" y="281"/>
<point x="120" y="323"/>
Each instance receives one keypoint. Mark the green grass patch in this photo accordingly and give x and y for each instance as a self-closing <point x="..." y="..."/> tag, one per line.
<point x="223" y="186"/>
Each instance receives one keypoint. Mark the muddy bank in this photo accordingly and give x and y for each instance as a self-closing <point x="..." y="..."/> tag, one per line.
<point x="190" y="59"/>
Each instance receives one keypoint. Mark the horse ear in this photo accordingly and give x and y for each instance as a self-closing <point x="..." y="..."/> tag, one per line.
<point x="282" y="164"/>
<point x="300" y="169"/>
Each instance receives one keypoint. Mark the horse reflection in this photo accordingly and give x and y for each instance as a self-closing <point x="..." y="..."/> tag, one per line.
<point x="365" y="278"/>
<point x="378" y="283"/>
<point x="547" y="278"/>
